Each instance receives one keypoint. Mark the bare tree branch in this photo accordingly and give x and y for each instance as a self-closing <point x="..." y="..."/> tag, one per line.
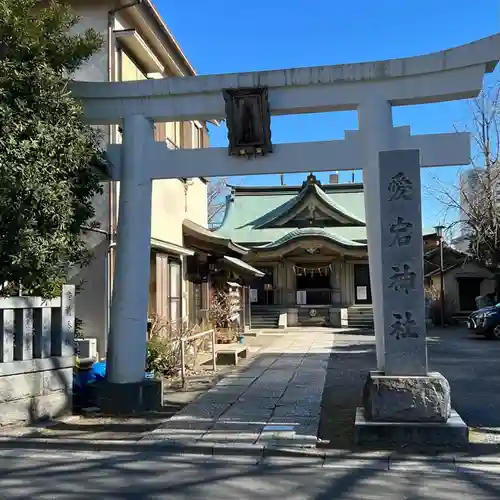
<point x="476" y="198"/>
<point x="216" y="199"/>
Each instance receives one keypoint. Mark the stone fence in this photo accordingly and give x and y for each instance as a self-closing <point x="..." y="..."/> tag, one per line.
<point x="36" y="356"/>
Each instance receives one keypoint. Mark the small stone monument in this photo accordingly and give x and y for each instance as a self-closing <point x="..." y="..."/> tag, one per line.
<point x="404" y="402"/>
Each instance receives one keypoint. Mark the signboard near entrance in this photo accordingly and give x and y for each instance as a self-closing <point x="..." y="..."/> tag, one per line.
<point x="301" y="297"/>
<point x="361" y="293"/>
<point x="253" y="295"/>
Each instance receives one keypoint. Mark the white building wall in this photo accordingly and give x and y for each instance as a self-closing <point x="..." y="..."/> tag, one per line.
<point x="95" y="16"/>
<point x="91" y="300"/>
<point x="173" y="201"/>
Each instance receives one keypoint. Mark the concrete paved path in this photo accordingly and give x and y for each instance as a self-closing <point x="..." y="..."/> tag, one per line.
<point x="275" y="401"/>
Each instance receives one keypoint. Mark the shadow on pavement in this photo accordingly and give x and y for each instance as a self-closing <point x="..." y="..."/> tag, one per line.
<point x="469" y="363"/>
<point x="350" y="361"/>
<point x="138" y="474"/>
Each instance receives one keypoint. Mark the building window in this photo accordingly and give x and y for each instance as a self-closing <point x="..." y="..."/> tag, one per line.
<point x="197" y="140"/>
<point x="165" y="295"/>
<point x="160" y="132"/>
<point x="152" y="285"/>
<point x="175" y="292"/>
<point x="196" y="312"/>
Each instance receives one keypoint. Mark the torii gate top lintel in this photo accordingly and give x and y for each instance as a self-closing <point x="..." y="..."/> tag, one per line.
<point x="455" y="73"/>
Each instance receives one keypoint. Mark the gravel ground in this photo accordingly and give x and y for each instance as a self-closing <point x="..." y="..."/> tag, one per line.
<point x="470" y="363"/>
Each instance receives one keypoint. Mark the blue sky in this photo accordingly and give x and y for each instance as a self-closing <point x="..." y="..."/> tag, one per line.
<point x="219" y="36"/>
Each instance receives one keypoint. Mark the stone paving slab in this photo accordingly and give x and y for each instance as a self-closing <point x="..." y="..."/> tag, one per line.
<point x="275" y="402"/>
<point x="214" y="436"/>
<point x="248" y="404"/>
<point x="236" y="381"/>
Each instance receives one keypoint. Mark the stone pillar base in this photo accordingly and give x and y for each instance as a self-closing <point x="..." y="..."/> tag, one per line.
<point x="453" y="433"/>
<point x="406" y="398"/>
<point x="292" y="316"/>
<point x="131" y="398"/>
<point x="334" y="317"/>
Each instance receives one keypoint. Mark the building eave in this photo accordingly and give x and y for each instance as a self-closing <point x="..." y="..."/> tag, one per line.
<point x="257" y="190"/>
<point x="165" y="246"/>
<point x="190" y="228"/>
<point x="132" y="40"/>
<point x="153" y="12"/>
<point x="242" y="267"/>
<point x="172" y="51"/>
<point x="308" y="233"/>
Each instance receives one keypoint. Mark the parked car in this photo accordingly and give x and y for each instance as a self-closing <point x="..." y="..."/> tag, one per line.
<point x="485" y="321"/>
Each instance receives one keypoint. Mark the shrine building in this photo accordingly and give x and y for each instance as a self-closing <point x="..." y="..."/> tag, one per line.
<point x="311" y="243"/>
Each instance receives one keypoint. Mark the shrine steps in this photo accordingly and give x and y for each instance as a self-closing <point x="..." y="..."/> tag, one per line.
<point x="360" y="317"/>
<point x="264" y="317"/>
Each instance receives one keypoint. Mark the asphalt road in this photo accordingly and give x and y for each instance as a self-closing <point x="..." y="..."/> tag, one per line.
<point x="472" y="366"/>
<point x="470" y="363"/>
<point x="133" y="475"/>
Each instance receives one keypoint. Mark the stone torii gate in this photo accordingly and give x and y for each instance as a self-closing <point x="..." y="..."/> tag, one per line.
<point x="372" y="89"/>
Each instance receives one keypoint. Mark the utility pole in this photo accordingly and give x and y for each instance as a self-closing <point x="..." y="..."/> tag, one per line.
<point x="439" y="233"/>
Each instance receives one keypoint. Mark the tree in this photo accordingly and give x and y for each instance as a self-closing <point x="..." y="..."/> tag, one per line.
<point x="476" y="199"/>
<point x="48" y="154"/>
<point x="217" y="191"/>
<point x="480" y="205"/>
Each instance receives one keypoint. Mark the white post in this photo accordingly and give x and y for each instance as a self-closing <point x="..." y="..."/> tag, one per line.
<point x="214" y="351"/>
<point x="376" y="130"/>
<point x="126" y="354"/>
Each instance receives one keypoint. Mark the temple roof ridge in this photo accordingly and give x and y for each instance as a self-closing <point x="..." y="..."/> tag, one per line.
<point x="311" y="186"/>
<point x="311" y="232"/>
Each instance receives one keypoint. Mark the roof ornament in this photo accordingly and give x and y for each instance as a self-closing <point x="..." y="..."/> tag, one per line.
<point x="311" y="180"/>
<point x="313" y="250"/>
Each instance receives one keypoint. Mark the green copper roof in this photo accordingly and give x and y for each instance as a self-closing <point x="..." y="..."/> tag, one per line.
<point x="250" y="210"/>
<point x="308" y="190"/>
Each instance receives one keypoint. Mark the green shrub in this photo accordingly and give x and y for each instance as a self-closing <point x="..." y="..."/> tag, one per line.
<point x="163" y="356"/>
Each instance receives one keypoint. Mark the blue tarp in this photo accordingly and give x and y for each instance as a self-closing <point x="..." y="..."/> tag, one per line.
<point x="95" y="373"/>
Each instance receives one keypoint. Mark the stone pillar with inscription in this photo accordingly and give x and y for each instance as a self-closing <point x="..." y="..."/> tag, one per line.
<point x="402" y="263"/>
<point x="404" y="392"/>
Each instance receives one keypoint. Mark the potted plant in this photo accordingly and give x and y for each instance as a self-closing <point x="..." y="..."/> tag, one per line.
<point x="220" y="316"/>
